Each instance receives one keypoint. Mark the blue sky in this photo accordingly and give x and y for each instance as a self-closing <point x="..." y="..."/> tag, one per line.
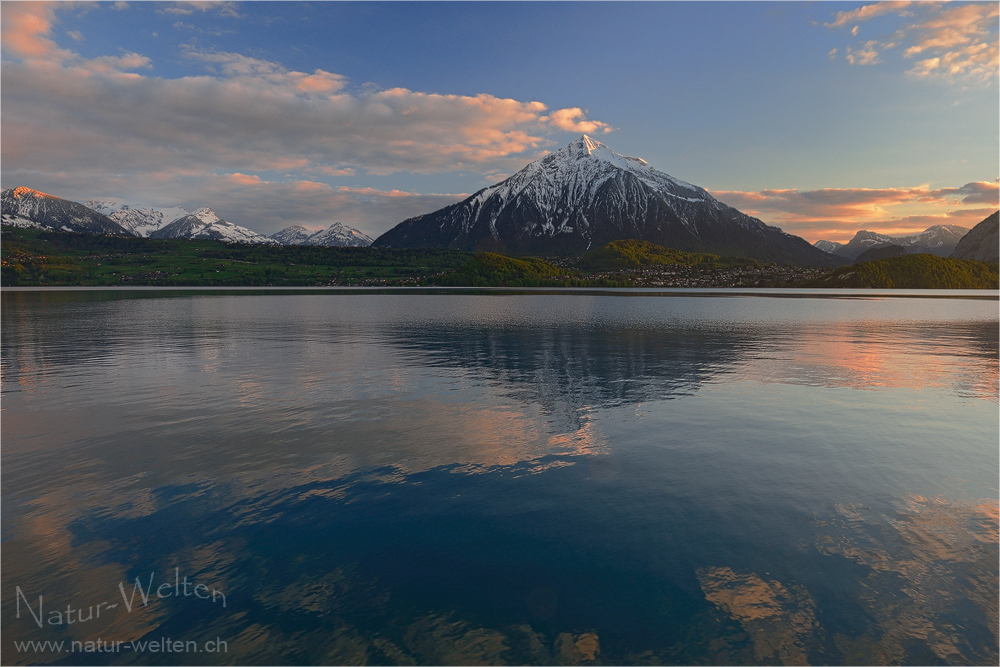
<point x="823" y="118"/>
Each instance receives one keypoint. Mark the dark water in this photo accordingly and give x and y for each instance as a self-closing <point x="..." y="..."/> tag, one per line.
<point x="499" y="479"/>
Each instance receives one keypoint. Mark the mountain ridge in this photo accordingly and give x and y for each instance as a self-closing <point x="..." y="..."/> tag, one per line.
<point x="939" y="240"/>
<point x="25" y="207"/>
<point x="982" y="242"/>
<point x="336" y="235"/>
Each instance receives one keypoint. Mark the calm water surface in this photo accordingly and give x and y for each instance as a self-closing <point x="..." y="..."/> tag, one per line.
<point x="348" y="478"/>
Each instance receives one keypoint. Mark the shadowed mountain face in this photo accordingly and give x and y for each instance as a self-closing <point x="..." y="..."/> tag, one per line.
<point x="24" y="207"/>
<point x="982" y="242"/>
<point x="585" y="195"/>
<point x="938" y="240"/>
<point x="881" y="252"/>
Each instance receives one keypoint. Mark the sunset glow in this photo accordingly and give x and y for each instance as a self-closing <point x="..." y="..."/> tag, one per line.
<point x="821" y="119"/>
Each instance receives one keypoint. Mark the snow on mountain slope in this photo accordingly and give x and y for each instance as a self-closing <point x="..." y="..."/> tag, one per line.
<point x="828" y="246"/>
<point x="294" y="235"/>
<point x="936" y="240"/>
<point x="205" y="224"/>
<point x="336" y="235"/>
<point x="140" y="219"/>
<point x="340" y="235"/>
<point x="25" y="207"/>
<point x="585" y="195"/>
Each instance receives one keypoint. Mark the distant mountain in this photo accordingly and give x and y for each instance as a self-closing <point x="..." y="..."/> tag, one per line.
<point x="24" y="207"/>
<point x="340" y="235"/>
<point x="586" y="195"/>
<point x="982" y="242"/>
<point x="336" y="235"/>
<point x="938" y="240"/>
<point x="881" y="252"/>
<point x="141" y="220"/>
<point x="828" y="246"/>
<point x="205" y="224"/>
<point x="294" y="235"/>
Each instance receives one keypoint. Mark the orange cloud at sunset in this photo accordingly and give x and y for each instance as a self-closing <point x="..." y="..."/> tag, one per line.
<point x="573" y="120"/>
<point x="836" y="214"/>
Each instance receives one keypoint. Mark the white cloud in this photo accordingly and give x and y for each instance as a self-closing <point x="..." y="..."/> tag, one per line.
<point x="187" y="8"/>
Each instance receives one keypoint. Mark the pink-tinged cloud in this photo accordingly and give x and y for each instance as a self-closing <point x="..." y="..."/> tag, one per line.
<point x="245" y="115"/>
<point x="245" y="179"/>
<point x="574" y="120"/>
<point x="25" y="29"/>
<point x="835" y="214"/>
<point x="868" y="12"/>
<point x="948" y="42"/>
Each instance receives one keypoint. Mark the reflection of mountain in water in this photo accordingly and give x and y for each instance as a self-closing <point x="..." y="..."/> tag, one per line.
<point x="576" y="367"/>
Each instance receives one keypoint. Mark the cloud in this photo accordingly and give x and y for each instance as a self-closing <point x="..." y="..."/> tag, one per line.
<point x="837" y="213"/>
<point x="573" y="120"/>
<point x="187" y="8"/>
<point x="954" y="43"/>
<point x="245" y="114"/>
<point x="25" y="29"/>
<point x="868" y="12"/>
<point x="100" y="126"/>
<point x="863" y="55"/>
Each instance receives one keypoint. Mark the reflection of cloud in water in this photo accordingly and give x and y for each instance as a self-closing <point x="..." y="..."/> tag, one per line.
<point x="780" y="620"/>
<point x="44" y="558"/>
<point x="961" y="356"/>
<point x="929" y="594"/>
<point x="928" y="565"/>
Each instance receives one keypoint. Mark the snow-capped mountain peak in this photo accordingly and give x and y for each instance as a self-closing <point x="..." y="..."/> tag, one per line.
<point x="140" y="219"/>
<point x="205" y="224"/>
<point x="586" y="147"/>
<point x="294" y="235"/>
<point x="585" y="195"/>
<point x="22" y="191"/>
<point x="24" y="207"/>
<point x="206" y="215"/>
<point x="337" y="234"/>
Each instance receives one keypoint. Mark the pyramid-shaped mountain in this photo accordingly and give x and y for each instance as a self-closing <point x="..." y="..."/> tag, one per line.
<point x="585" y="195"/>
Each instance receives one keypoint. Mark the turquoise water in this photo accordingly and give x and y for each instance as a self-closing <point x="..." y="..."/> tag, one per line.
<point x="499" y="477"/>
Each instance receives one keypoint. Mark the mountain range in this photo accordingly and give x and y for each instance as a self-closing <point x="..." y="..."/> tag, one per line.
<point x="24" y="207"/>
<point x="937" y="240"/>
<point x="337" y="234"/>
<point x="585" y="195"/>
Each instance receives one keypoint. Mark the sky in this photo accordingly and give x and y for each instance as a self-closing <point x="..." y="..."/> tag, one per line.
<point x="821" y="118"/>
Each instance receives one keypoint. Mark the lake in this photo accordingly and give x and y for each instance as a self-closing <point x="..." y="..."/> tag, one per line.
<point x="499" y="477"/>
